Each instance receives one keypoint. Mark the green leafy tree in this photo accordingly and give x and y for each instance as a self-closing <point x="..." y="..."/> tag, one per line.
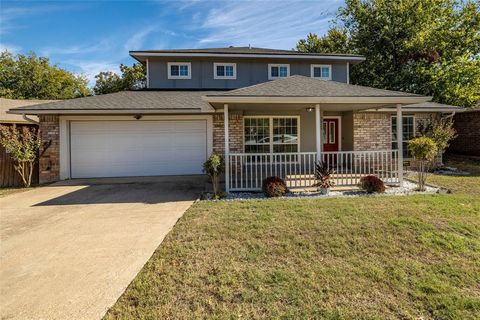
<point x="424" y="150"/>
<point x="429" y="47"/>
<point x="335" y="41"/>
<point x="214" y="167"/>
<point x="32" y="77"/>
<point x="22" y="146"/>
<point x="132" y="78"/>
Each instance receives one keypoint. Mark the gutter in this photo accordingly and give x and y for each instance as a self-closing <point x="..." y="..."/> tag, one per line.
<point x="24" y="116"/>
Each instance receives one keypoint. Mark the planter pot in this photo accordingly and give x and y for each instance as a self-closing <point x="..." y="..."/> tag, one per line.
<point x="324" y="190"/>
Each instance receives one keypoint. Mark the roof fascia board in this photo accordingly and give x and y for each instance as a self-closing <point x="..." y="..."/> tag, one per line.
<point x="266" y="99"/>
<point x="107" y="111"/>
<point x="418" y="110"/>
<point x="245" y="55"/>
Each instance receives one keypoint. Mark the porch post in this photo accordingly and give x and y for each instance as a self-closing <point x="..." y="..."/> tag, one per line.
<point x="400" y="143"/>
<point x="227" y="148"/>
<point x="318" y="132"/>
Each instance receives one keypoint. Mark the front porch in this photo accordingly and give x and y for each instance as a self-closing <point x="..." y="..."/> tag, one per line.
<point x="284" y="127"/>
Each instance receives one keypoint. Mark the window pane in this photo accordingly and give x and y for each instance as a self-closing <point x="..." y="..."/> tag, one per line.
<point x="325" y="72"/>
<point x="257" y="135"/>
<point x="316" y="72"/>
<point x="220" y="71"/>
<point x="283" y="71"/>
<point x="285" y="131"/>
<point x="174" y="70"/>
<point x="331" y="132"/>
<point x="274" y="72"/>
<point x="285" y="148"/>
<point x="184" y="70"/>
<point x="408" y="127"/>
<point x="324" y="132"/>
<point x="229" y="71"/>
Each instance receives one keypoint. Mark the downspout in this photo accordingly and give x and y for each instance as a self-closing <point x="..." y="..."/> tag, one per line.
<point x="24" y="116"/>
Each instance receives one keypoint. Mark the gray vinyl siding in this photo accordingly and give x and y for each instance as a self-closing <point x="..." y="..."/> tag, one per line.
<point x="249" y="72"/>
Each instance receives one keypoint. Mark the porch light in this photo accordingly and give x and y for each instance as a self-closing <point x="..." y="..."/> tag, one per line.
<point x="309" y="109"/>
<point x="137" y="116"/>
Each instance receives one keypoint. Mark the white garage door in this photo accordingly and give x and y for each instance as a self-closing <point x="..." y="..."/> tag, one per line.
<point x="137" y="148"/>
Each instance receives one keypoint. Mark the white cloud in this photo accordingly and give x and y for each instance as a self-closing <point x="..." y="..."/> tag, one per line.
<point x="90" y="68"/>
<point x="276" y="24"/>
<point x="100" y="46"/>
<point x="136" y="41"/>
<point x="10" y="48"/>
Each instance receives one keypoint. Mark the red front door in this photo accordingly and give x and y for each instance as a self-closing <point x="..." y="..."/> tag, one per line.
<point x="330" y="134"/>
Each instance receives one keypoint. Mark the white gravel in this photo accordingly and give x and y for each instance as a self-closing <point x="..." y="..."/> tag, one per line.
<point x="408" y="188"/>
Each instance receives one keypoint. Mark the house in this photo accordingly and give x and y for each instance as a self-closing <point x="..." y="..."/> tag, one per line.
<point x="8" y="175"/>
<point x="467" y="126"/>
<point x="284" y="111"/>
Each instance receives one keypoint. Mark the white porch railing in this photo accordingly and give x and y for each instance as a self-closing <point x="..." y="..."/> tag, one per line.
<point x="248" y="170"/>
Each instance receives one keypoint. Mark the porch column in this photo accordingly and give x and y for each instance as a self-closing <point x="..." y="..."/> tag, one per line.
<point x="318" y="131"/>
<point x="227" y="148"/>
<point x="400" y="143"/>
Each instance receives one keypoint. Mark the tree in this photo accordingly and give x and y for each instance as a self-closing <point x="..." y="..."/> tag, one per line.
<point x="32" y="77"/>
<point x="23" y="147"/>
<point x="132" y="78"/>
<point x="429" y="47"/>
<point x="424" y="150"/>
<point x="336" y="41"/>
<point x="214" y="167"/>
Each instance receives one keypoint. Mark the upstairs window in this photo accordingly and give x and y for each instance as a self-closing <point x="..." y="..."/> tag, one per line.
<point x="179" y="70"/>
<point x="321" y="71"/>
<point x="224" y="70"/>
<point x="276" y="71"/>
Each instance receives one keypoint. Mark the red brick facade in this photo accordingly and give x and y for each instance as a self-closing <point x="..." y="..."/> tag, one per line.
<point x="49" y="162"/>
<point x="235" y="133"/>
<point x="467" y="125"/>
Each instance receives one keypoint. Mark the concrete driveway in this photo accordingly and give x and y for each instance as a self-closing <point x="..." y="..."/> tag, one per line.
<point x="69" y="250"/>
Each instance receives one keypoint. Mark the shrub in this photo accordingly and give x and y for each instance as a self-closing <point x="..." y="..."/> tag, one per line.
<point x="23" y="147"/>
<point x="274" y="187"/>
<point x="424" y="151"/>
<point x="372" y="184"/>
<point x="323" y="175"/>
<point x="214" y="167"/>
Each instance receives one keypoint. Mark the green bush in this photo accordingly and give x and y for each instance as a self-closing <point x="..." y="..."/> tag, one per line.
<point x="423" y="150"/>
<point x="274" y="187"/>
<point x="214" y="167"/>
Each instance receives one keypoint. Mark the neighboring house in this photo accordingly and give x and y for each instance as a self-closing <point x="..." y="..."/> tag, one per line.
<point x="467" y="125"/>
<point x="284" y="111"/>
<point x="8" y="176"/>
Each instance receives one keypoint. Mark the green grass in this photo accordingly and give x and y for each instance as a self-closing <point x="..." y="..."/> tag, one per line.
<point x="415" y="257"/>
<point x="8" y="191"/>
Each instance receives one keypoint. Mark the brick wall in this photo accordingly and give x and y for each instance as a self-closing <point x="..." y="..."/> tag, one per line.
<point x="467" y="126"/>
<point x="235" y="131"/>
<point x="49" y="162"/>
<point x="371" y="131"/>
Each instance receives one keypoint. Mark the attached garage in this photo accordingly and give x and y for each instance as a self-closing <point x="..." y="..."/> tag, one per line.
<point x="137" y="148"/>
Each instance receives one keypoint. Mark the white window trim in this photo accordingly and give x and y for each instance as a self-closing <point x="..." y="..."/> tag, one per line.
<point x="313" y="66"/>
<point x="414" y="130"/>
<point x="217" y="77"/>
<point x="270" y="65"/>
<point x="189" y="64"/>
<point x="270" y="124"/>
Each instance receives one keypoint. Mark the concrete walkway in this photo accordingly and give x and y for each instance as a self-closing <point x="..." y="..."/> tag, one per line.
<point x="69" y="250"/>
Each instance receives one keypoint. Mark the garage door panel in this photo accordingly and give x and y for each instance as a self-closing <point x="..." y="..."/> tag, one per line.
<point x="137" y="148"/>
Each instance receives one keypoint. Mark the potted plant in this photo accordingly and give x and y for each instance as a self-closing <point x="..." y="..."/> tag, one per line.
<point x="323" y="177"/>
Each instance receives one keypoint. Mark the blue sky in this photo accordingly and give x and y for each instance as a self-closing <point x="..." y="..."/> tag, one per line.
<point x="91" y="36"/>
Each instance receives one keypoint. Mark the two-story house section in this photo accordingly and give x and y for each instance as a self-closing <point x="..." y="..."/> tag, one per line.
<point x="268" y="112"/>
<point x="236" y="67"/>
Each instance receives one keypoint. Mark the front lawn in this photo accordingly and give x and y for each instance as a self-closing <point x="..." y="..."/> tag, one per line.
<point x="414" y="257"/>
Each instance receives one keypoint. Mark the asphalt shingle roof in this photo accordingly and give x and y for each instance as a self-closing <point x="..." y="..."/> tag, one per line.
<point x="244" y="50"/>
<point x="131" y="100"/>
<point x="301" y="86"/>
